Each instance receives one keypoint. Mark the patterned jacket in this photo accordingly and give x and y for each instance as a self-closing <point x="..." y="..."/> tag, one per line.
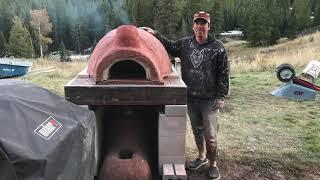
<point x="205" y="68"/>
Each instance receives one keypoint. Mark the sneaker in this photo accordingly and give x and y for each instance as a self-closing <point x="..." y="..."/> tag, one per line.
<point x="214" y="173"/>
<point x="196" y="164"/>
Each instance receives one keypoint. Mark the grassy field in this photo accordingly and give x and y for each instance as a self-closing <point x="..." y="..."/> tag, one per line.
<point x="261" y="136"/>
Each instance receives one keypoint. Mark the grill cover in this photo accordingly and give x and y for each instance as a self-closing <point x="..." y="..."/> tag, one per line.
<point x="42" y="136"/>
<point x="128" y="42"/>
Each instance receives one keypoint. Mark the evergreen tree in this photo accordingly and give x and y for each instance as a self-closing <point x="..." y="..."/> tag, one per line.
<point x="292" y="25"/>
<point x="22" y="9"/>
<point x="283" y="13"/>
<point x="187" y="9"/>
<point x="302" y="10"/>
<point x="229" y="14"/>
<point x="145" y="18"/>
<point x="274" y="23"/>
<point x="263" y="27"/>
<point x="115" y="13"/>
<point x="259" y="29"/>
<point x="57" y="13"/>
<point x="191" y="7"/>
<point x="64" y="54"/>
<point x="236" y="13"/>
<point x="5" y="17"/>
<point x="166" y="19"/>
<point x="216" y="17"/>
<point x="137" y="12"/>
<point x="316" y="13"/>
<point x="80" y="34"/>
<point x="2" y="45"/>
<point x="19" y="44"/>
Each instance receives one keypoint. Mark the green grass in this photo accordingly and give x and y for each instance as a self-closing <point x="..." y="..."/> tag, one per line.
<point x="266" y="133"/>
<point x="269" y="131"/>
<point x="51" y="81"/>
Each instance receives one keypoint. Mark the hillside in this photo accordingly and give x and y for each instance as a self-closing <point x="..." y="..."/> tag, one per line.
<point x="297" y="52"/>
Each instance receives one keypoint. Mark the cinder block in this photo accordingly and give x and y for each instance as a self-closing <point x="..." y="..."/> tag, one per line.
<point x="170" y="160"/>
<point x="172" y="146"/>
<point x="171" y="126"/>
<point x="175" y="110"/>
<point x="180" y="172"/>
<point x="168" y="172"/>
<point x="173" y="172"/>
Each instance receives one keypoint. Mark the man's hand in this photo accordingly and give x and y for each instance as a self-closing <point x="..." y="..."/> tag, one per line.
<point x="218" y="104"/>
<point x="149" y="30"/>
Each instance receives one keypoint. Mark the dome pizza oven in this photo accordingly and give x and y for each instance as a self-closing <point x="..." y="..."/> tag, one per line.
<point x="139" y="101"/>
<point x="129" y="55"/>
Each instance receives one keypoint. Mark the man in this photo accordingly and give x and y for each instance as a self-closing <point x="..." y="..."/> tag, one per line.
<point x="205" y="70"/>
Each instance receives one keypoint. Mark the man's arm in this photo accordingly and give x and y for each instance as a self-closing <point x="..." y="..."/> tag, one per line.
<point x="223" y="71"/>
<point x="172" y="47"/>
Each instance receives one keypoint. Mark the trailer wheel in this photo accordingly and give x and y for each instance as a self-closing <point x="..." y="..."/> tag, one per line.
<point x="285" y="72"/>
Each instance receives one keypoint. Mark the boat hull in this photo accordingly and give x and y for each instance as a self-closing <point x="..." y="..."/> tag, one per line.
<point x="7" y="71"/>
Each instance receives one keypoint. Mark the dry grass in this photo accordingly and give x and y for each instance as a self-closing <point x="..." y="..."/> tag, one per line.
<point x="62" y="68"/>
<point x="298" y="52"/>
<point x="54" y="80"/>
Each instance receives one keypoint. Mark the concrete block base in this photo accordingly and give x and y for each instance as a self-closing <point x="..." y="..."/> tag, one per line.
<point x="171" y="137"/>
<point x="174" y="172"/>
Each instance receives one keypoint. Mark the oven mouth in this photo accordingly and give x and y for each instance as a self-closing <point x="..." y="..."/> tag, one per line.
<point x="126" y="70"/>
<point x="126" y="154"/>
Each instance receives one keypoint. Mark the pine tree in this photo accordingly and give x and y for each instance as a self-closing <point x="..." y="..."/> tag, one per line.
<point x="263" y="28"/>
<point x="80" y="34"/>
<point x="302" y="10"/>
<point x="64" y="54"/>
<point x="145" y="18"/>
<point x="292" y="25"/>
<point x="166" y="19"/>
<point x="6" y="16"/>
<point x="317" y="13"/>
<point x="216" y="17"/>
<point x="236" y="13"/>
<point x="3" y="43"/>
<point x="258" y="31"/>
<point x="19" y="44"/>
<point x="187" y="9"/>
<point x="274" y="23"/>
<point x="283" y="12"/>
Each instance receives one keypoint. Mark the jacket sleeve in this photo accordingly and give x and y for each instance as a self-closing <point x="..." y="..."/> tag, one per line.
<point x="172" y="47"/>
<point x="223" y="74"/>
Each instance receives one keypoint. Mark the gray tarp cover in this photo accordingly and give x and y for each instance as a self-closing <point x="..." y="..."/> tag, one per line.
<point x="43" y="136"/>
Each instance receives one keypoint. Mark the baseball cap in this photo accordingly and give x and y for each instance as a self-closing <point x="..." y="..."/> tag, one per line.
<point x="201" y="15"/>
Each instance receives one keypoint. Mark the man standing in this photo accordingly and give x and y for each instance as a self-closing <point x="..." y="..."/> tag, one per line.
<point x="205" y="70"/>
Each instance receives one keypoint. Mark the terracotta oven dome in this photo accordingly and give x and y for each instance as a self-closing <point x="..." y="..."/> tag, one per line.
<point x="129" y="54"/>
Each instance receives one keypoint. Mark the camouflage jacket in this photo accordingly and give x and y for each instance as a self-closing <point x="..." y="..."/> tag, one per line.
<point x="205" y="68"/>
